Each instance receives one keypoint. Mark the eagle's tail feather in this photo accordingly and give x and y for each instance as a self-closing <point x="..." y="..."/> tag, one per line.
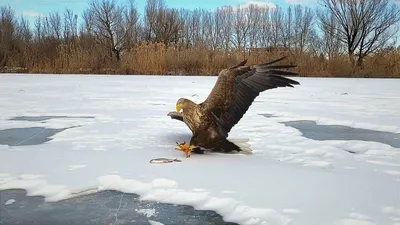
<point x="240" y="145"/>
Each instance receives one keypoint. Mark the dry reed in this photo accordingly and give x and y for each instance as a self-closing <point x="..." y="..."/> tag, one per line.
<point x="158" y="59"/>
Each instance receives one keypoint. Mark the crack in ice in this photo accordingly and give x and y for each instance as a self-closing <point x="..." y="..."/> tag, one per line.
<point x="31" y="136"/>
<point x="119" y="207"/>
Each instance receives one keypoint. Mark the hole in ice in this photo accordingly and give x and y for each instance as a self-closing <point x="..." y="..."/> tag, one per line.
<point x="28" y="135"/>
<point x="43" y="118"/>
<point x="310" y="129"/>
<point x="104" y="207"/>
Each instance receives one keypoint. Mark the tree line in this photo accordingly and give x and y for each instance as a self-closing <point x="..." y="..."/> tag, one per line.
<point x="339" y="38"/>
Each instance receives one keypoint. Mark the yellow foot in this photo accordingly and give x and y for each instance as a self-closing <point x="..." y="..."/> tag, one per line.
<point x="185" y="148"/>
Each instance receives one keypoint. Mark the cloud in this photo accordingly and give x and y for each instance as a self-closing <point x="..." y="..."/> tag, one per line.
<point x="301" y="2"/>
<point x="246" y="4"/>
<point x="259" y="4"/>
<point x="31" y="13"/>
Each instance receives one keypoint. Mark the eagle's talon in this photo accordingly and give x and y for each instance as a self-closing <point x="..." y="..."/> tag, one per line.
<point x="185" y="148"/>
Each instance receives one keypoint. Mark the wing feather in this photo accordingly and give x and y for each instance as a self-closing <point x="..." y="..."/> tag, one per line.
<point x="237" y="87"/>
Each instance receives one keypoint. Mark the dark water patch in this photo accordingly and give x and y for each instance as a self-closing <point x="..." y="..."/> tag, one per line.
<point x="267" y="115"/>
<point x="28" y="135"/>
<point x="105" y="207"/>
<point x="43" y="118"/>
<point x="312" y="130"/>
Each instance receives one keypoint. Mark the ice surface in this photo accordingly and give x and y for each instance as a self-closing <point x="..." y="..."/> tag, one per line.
<point x="120" y="123"/>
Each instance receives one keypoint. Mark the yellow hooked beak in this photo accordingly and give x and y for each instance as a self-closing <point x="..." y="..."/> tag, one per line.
<point x="178" y="107"/>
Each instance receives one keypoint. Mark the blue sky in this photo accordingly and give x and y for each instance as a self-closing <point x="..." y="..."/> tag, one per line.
<point x="34" y="8"/>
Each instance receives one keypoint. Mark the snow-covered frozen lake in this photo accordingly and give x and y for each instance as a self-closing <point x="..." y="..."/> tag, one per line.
<point x="325" y="152"/>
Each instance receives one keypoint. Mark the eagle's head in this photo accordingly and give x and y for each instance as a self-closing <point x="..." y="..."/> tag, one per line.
<point x="180" y="104"/>
<point x="183" y="103"/>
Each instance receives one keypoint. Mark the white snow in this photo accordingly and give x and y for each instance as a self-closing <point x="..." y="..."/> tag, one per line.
<point x="359" y="216"/>
<point x="152" y="222"/>
<point x="288" y="179"/>
<point x="147" y="212"/>
<point x="393" y="172"/>
<point x="9" y="202"/>
<point x="75" y="167"/>
<point x="291" y="211"/>
<point x="354" y="222"/>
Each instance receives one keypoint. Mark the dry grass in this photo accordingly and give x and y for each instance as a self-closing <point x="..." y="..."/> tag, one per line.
<point x="157" y="58"/>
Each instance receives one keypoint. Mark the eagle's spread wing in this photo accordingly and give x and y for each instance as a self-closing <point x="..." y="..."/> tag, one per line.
<point x="237" y="87"/>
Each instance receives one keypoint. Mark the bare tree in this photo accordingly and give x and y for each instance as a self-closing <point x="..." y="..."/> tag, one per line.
<point x="152" y="8"/>
<point x="87" y="25"/>
<point x="363" y="25"/>
<point x="38" y="29"/>
<point x="303" y="26"/>
<point x="55" y="25"/>
<point x="168" y="27"/>
<point x="70" y="25"/>
<point x="254" y="17"/>
<point x="241" y="27"/>
<point x="131" y="18"/>
<point x="330" y="43"/>
<point x="287" y="26"/>
<point x="276" y="26"/>
<point x="161" y="23"/>
<point x="7" y="32"/>
<point x="24" y="30"/>
<point x="265" y="34"/>
<point x="194" y="25"/>
<point x="213" y="25"/>
<point x="225" y="16"/>
<point x="110" y="26"/>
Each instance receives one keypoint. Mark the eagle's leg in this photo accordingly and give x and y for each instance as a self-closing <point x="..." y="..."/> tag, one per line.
<point x="198" y="150"/>
<point x="187" y="149"/>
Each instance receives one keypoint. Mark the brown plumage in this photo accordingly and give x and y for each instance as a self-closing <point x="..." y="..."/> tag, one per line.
<point x="233" y="93"/>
